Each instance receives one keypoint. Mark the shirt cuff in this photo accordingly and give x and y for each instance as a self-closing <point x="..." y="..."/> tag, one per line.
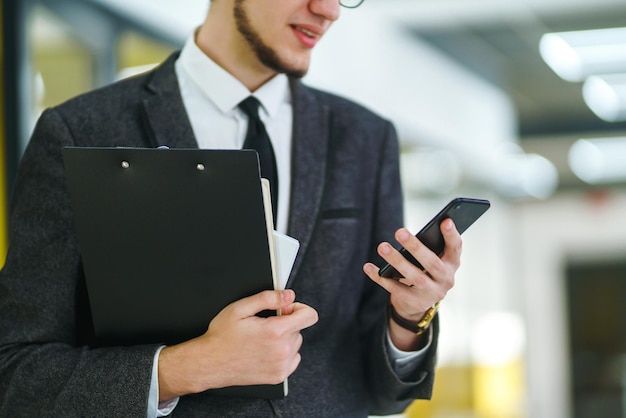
<point x="406" y="362"/>
<point x="156" y="408"/>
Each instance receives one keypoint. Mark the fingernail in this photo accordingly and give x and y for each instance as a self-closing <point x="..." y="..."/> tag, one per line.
<point x="403" y="235"/>
<point x="385" y="248"/>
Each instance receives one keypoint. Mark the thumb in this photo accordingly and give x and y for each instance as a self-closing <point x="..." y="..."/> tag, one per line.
<point x="266" y="300"/>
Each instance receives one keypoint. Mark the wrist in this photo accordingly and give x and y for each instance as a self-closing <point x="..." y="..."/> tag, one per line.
<point x="417" y="327"/>
<point x="170" y="384"/>
<point x="176" y="372"/>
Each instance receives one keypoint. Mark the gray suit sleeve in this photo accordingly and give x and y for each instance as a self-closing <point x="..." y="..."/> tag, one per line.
<point x="389" y="392"/>
<point x="46" y="366"/>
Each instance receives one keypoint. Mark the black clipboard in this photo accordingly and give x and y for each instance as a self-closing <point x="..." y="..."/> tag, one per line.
<point x="168" y="238"/>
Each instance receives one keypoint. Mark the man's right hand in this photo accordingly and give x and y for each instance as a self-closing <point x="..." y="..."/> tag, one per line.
<point x="239" y="348"/>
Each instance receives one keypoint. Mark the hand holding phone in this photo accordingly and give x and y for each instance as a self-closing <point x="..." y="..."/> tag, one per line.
<point x="462" y="210"/>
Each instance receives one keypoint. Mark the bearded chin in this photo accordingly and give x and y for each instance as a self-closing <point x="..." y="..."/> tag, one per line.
<point x="271" y="60"/>
<point x="263" y="52"/>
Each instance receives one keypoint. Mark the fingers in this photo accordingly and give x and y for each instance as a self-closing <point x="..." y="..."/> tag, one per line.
<point x="413" y="300"/>
<point x="434" y="267"/>
<point x="419" y="289"/>
<point x="417" y="249"/>
<point x="267" y="300"/>
<point x="295" y="317"/>
<point x="390" y="285"/>
<point x="454" y="243"/>
<point x="299" y="316"/>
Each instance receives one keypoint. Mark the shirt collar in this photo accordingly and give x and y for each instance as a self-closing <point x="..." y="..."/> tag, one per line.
<point x="224" y="90"/>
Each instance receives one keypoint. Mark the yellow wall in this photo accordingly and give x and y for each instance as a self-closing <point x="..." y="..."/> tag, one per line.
<point x="65" y="67"/>
<point x="3" y="189"/>
<point x="476" y="391"/>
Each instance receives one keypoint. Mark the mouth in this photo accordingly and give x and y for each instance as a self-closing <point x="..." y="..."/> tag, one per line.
<point x="307" y="32"/>
<point x="307" y="36"/>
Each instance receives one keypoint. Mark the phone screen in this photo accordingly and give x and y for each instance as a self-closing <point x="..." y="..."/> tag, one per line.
<point x="463" y="211"/>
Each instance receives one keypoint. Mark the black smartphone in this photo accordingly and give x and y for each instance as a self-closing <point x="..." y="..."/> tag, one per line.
<point x="464" y="211"/>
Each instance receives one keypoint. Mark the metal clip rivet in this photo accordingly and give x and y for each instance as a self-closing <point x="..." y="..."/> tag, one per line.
<point x="125" y="164"/>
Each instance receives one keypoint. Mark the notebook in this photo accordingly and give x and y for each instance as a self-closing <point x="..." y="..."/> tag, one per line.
<point x="170" y="237"/>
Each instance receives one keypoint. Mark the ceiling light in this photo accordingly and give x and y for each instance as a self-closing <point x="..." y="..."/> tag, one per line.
<point x="576" y="55"/>
<point x="606" y="96"/>
<point x="520" y="175"/>
<point x="601" y="160"/>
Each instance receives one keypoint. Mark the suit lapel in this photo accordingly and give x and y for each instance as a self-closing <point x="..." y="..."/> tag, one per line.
<point x="311" y="137"/>
<point x="163" y="110"/>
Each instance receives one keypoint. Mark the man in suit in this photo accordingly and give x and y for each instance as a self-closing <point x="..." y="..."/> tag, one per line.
<point x="348" y="345"/>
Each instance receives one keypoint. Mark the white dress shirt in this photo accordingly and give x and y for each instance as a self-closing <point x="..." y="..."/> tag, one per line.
<point x="210" y="95"/>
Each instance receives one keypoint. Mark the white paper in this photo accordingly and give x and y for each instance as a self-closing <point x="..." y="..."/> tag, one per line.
<point x="286" y="250"/>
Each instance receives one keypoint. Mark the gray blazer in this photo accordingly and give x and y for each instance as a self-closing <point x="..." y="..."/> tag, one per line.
<point x="346" y="198"/>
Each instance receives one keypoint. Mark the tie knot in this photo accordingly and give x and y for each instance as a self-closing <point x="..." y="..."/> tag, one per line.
<point x="250" y="107"/>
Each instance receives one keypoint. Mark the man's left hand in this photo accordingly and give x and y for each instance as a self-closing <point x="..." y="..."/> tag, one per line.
<point x="419" y="290"/>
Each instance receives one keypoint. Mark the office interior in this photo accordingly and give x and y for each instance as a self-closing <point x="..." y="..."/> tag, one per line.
<point x="520" y="102"/>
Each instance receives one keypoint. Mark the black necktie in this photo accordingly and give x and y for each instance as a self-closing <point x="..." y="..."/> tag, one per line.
<point x="258" y="140"/>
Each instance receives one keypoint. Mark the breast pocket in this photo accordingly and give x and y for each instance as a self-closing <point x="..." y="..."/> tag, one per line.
<point x="335" y="257"/>
<point x="339" y="213"/>
<point x="340" y="237"/>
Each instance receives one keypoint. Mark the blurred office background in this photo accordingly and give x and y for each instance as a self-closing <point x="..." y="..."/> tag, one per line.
<point x="522" y="102"/>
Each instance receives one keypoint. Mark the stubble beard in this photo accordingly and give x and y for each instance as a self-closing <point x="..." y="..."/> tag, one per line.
<point x="263" y="52"/>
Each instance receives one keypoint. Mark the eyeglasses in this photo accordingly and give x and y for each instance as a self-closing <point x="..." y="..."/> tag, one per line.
<point x="351" y="4"/>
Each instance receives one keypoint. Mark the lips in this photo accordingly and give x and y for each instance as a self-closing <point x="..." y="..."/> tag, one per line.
<point x="307" y="36"/>
<point x="307" y="32"/>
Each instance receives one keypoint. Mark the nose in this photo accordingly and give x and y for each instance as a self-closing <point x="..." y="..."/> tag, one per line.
<point x="329" y="9"/>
